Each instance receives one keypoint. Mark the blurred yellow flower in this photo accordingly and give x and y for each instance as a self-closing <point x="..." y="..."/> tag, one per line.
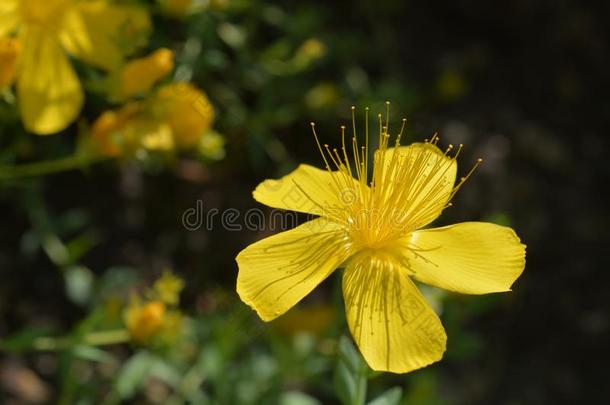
<point x="168" y="288"/>
<point x="374" y="228"/>
<point x="144" y="321"/>
<point x="156" y="320"/>
<point x="123" y="132"/>
<point x="176" y="116"/>
<point x="186" y="109"/>
<point x="9" y="52"/>
<point x="99" y="32"/>
<point x="139" y="75"/>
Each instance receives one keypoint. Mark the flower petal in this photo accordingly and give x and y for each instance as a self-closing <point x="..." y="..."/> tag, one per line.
<point x="8" y="16"/>
<point x="310" y="190"/>
<point x="418" y="180"/>
<point x="393" y="325"/>
<point x="102" y="33"/>
<point x="470" y="258"/>
<point x="277" y="272"/>
<point x="49" y="92"/>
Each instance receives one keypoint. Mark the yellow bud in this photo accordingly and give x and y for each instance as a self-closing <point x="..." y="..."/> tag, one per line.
<point x="144" y="321"/>
<point x="211" y="146"/>
<point x="139" y="75"/>
<point x="168" y="287"/>
<point x="9" y="53"/>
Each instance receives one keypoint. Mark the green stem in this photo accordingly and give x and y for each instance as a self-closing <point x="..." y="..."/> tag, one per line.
<point x="101" y="338"/>
<point x="48" y="166"/>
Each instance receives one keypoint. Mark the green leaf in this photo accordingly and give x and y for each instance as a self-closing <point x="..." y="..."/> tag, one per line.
<point x="133" y="374"/>
<point x="78" y="283"/>
<point x="297" y="398"/>
<point x="390" y="397"/>
<point x="93" y="353"/>
<point x="351" y="373"/>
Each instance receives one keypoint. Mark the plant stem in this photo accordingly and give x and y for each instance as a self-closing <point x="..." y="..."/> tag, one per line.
<point x="48" y="166"/>
<point x="101" y="338"/>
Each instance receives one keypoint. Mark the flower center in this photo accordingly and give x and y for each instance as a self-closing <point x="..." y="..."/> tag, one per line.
<point x="43" y="12"/>
<point x="407" y="189"/>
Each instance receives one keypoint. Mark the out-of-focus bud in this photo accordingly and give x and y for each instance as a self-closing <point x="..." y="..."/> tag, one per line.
<point x="168" y="287"/>
<point x="310" y="51"/>
<point x="9" y="53"/>
<point x="211" y="146"/>
<point x="321" y="96"/>
<point x="139" y="75"/>
<point x="144" y="321"/>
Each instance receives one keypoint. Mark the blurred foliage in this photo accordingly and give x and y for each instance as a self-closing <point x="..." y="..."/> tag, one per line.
<point x="520" y="84"/>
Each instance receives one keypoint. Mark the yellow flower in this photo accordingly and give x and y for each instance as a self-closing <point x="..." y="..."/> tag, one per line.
<point x="126" y="131"/>
<point x="99" y="32"/>
<point x="9" y="52"/>
<point x="144" y="321"/>
<point x="139" y="75"/>
<point x="177" y="115"/>
<point x="373" y="226"/>
<point x="186" y="109"/>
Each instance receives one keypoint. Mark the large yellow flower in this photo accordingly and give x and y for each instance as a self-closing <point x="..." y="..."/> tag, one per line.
<point x="97" y="31"/>
<point x="374" y="228"/>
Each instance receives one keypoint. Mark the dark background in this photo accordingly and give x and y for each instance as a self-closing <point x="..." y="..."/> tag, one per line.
<point x="523" y="84"/>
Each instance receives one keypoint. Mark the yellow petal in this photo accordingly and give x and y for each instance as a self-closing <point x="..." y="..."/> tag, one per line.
<point x="9" y="53"/>
<point x="310" y="190"/>
<point x="139" y="75"/>
<point x="49" y="92"/>
<point x="393" y="325"/>
<point x="8" y="16"/>
<point x="417" y="181"/>
<point x="470" y="258"/>
<point x="277" y="272"/>
<point x="102" y="33"/>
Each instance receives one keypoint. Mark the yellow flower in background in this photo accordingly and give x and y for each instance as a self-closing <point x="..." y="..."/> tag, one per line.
<point x="186" y="109"/>
<point x="9" y="52"/>
<point x="139" y="75"/>
<point x="156" y="320"/>
<point x="98" y="32"/>
<point x="144" y="321"/>
<point x="126" y="131"/>
<point x="176" y="116"/>
<point x="374" y="227"/>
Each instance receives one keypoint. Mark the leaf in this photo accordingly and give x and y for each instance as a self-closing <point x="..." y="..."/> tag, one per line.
<point x="133" y="374"/>
<point x="93" y="353"/>
<point x="390" y="397"/>
<point x="297" y="398"/>
<point x="350" y="378"/>
<point x="78" y="282"/>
